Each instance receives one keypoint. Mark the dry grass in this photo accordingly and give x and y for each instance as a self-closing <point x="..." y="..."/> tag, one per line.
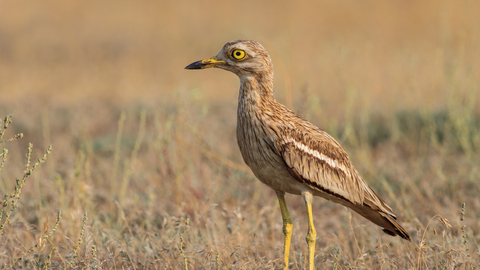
<point x="145" y="169"/>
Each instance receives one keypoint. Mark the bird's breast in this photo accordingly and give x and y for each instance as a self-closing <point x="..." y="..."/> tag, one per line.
<point x="255" y="140"/>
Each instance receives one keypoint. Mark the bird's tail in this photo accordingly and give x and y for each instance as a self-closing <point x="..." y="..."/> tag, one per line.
<point x="397" y="229"/>
<point x="378" y="212"/>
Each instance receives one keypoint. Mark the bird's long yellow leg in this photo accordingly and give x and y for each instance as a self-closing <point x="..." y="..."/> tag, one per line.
<point x="287" y="227"/>
<point x="312" y="234"/>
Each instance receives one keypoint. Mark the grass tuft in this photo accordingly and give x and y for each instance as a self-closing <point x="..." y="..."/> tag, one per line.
<point x="79" y="241"/>
<point x="187" y="221"/>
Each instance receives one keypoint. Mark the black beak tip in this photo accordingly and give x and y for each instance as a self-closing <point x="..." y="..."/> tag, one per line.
<point x="195" y="65"/>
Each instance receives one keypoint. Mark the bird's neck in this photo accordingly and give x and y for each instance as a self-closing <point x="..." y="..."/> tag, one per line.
<point x="256" y="90"/>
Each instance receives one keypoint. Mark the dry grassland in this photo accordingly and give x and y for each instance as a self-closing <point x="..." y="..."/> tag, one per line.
<point x="145" y="168"/>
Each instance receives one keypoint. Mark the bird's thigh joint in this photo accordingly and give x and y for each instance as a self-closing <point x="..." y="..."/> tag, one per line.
<point x="287" y="227"/>
<point x="311" y="236"/>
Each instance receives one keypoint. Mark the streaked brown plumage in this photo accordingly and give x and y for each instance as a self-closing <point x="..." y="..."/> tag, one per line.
<point x="288" y="153"/>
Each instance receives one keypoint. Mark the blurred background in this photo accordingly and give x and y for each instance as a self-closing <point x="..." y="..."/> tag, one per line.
<point x="142" y="144"/>
<point x="393" y="54"/>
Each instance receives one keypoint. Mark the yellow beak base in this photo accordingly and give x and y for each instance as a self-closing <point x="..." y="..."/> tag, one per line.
<point x="205" y="63"/>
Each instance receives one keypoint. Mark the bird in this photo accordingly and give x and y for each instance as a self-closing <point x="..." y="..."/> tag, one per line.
<point x="288" y="153"/>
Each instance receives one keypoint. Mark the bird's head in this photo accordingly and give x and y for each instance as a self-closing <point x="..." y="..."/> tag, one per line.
<point x="242" y="57"/>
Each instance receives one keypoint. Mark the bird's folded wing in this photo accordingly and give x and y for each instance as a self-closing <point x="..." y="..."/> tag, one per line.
<point x="317" y="160"/>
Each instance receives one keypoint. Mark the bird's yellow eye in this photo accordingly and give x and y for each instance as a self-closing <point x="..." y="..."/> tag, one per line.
<point x="238" y="54"/>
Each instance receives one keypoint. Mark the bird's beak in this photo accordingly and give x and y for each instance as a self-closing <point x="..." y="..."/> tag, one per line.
<point x="205" y="63"/>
